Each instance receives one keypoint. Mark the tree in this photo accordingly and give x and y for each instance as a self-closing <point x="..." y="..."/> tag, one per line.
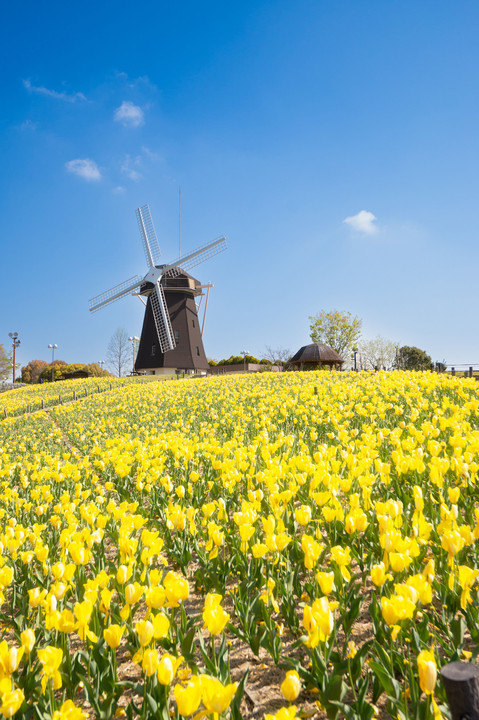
<point x="412" y="358"/>
<point x="377" y="354"/>
<point x="118" y="353"/>
<point x="339" y="330"/>
<point x="5" y="363"/>
<point x="58" y="370"/>
<point x="96" y="371"/>
<point x="278" y="356"/>
<point x="32" y="371"/>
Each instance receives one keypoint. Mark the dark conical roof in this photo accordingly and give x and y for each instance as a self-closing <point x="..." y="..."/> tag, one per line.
<point x="316" y="353"/>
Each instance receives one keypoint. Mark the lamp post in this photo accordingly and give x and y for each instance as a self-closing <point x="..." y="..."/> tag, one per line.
<point x="101" y="363"/>
<point x="15" y="344"/>
<point x="133" y="339"/>
<point x="355" y="354"/>
<point x="53" y="348"/>
<point x="244" y="353"/>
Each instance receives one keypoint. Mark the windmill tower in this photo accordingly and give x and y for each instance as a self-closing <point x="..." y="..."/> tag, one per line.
<point x="171" y="337"/>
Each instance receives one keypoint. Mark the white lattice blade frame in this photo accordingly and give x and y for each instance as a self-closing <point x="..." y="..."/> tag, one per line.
<point x="198" y="256"/>
<point x="162" y="319"/>
<point x="115" y="293"/>
<point x="148" y="235"/>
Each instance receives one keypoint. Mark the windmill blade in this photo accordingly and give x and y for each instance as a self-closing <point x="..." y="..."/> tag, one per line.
<point x="115" y="293"/>
<point x="197" y="256"/>
<point x="162" y="319"/>
<point x="148" y="235"/>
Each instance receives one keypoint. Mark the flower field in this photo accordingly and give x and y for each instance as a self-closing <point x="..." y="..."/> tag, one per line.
<point x="37" y="397"/>
<point x="278" y="545"/>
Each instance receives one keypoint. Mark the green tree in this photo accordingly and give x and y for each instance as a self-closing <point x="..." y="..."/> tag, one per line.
<point x="339" y="330"/>
<point x="58" y="370"/>
<point x="96" y="371"/>
<point x="412" y="358"/>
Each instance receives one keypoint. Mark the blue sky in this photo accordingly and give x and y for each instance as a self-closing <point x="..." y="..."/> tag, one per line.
<point x="334" y="144"/>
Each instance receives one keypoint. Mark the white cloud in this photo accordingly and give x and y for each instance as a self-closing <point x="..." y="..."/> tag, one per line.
<point x="129" y="115"/>
<point x="130" y="171"/>
<point x="362" y="222"/>
<point x="40" y="90"/>
<point x="27" y="125"/>
<point x="84" y="168"/>
<point x="119" y="190"/>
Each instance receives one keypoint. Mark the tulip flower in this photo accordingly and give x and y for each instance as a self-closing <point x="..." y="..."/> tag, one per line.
<point x="69" y="711"/>
<point x="113" y="634"/>
<point x="216" y="696"/>
<point x="51" y="659"/>
<point x="11" y="702"/>
<point x="144" y="629"/>
<point x="188" y="697"/>
<point x="214" y="616"/>
<point x="28" y="640"/>
<point x="291" y="686"/>
<point x="427" y="671"/>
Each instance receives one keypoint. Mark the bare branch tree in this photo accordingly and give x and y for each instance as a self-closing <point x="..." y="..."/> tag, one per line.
<point x="277" y="356"/>
<point x="118" y="352"/>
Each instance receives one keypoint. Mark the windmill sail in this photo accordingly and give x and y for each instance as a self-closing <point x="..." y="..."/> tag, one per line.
<point x="205" y="252"/>
<point x="148" y="236"/>
<point x="115" y="293"/>
<point x="162" y="319"/>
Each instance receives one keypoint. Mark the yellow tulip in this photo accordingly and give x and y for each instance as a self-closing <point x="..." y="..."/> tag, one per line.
<point x="28" y="640"/>
<point x="216" y="696"/>
<point x="69" y="711"/>
<point x="188" y="698"/>
<point x="176" y="588"/>
<point x="113" y="634"/>
<point x="215" y="618"/>
<point x="51" y="659"/>
<point x="427" y="671"/>
<point x="144" y="630"/>
<point x="326" y="581"/>
<point x="161" y="626"/>
<point x="378" y="574"/>
<point x="167" y="667"/>
<point x="291" y="686"/>
<point x="150" y="662"/>
<point x="11" y="702"/>
<point x="133" y="593"/>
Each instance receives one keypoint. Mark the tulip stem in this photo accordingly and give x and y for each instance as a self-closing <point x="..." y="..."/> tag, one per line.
<point x="213" y="652"/>
<point x="351" y="680"/>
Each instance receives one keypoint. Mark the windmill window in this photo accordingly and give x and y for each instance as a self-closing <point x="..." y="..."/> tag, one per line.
<point x="193" y="323"/>
<point x="197" y="350"/>
<point x="153" y="350"/>
<point x="177" y="334"/>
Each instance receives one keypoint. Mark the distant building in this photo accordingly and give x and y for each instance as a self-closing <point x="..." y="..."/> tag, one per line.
<point x="75" y="374"/>
<point x="242" y="368"/>
<point x="314" y="356"/>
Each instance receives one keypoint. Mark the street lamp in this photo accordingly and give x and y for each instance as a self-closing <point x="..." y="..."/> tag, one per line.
<point x="101" y="363"/>
<point x="355" y="354"/>
<point x="133" y="339"/>
<point x="244" y="353"/>
<point x="53" y="348"/>
<point x="15" y="344"/>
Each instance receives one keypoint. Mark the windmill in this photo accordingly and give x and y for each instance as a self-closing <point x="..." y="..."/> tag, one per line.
<point x="171" y="335"/>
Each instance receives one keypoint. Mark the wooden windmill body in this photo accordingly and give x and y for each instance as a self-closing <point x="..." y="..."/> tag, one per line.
<point x="181" y="293"/>
<point x="171" y="337"/>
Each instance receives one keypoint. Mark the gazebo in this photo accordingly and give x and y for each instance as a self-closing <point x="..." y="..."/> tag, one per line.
<point x="314" y="356"/>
